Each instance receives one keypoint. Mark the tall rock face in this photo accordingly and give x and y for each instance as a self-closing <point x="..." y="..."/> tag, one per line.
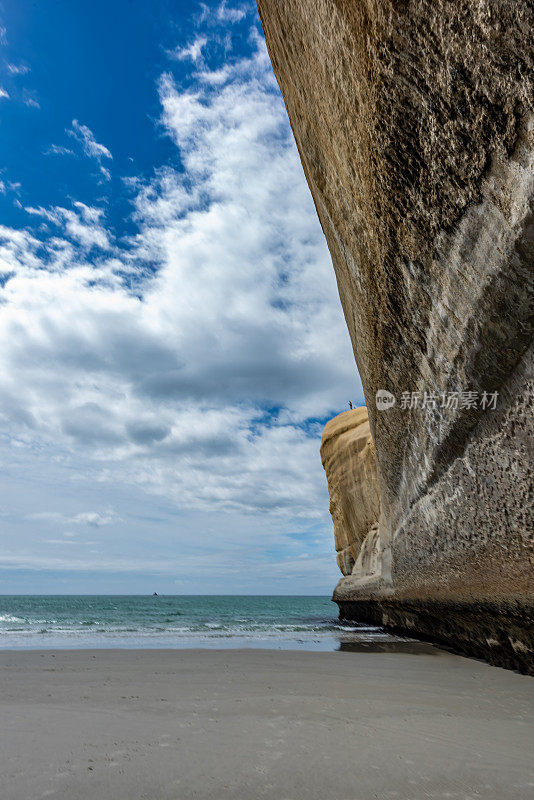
<point x="414" y="123"/>
<point x="348" y="456"/>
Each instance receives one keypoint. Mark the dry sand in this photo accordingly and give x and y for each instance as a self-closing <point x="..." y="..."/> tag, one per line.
<point x="181" y="724"/>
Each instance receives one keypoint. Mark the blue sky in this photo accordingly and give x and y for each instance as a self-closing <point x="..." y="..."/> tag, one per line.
<point x="171" y="339"/>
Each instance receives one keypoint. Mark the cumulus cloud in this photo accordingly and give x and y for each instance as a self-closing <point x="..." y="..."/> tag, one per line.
<point x="194" y="360"/>
<point x="198" y="385"/>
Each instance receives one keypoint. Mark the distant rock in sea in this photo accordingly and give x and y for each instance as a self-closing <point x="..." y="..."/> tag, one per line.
<point x="414" y="123"/>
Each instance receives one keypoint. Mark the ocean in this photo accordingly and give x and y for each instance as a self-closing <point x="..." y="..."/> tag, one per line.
<point x="89" y="621"/>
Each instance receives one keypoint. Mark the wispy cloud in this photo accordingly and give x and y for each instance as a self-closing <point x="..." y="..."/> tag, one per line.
<point x="227" y="13"/>
<point x="192" y="51"/>
<point x="58" y="150"/>
<point x="91" y="148"/>
<point x="17" y="69"/>
<point x="4" y="95"/>
<point x="29" y="100"/>
<point x="95" y="519"/>
<point x="224" y="13"/>
<point x="83" y="223"/>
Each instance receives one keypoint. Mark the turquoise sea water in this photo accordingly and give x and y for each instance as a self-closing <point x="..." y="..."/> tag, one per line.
<point x="57" y="621"/>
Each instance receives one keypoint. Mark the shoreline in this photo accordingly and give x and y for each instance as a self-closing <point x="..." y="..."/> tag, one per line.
<point x="275" y="724"/>
<point x="399" y="647"/>
<point x="502" y="634"/>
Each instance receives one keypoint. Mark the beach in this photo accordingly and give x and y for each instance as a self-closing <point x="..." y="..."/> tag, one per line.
<point x="212" y="724"/>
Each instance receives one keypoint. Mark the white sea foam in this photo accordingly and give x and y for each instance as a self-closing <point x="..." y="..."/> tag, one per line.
<point x="75" y="621"/>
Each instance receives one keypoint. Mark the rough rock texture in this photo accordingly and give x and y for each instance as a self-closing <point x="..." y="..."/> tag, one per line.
<point x="413" y="119"/>
<point x="348" y="456"/>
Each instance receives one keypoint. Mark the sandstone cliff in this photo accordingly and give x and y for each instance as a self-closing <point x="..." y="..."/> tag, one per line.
<point x="413" y="120"/>
<point x="349" y="460"/>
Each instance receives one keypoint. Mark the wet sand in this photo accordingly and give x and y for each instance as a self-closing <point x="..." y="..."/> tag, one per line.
<point x="221" y="724"/>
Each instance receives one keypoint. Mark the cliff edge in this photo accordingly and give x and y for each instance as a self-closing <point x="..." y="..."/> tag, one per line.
<point x="349" y="460"/>
<point x="414" y="123"/>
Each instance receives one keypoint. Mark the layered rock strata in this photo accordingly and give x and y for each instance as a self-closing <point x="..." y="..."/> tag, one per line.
<point x="413" y="121"/>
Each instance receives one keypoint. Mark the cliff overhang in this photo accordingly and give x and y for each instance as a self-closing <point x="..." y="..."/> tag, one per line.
<point x="414" y="123"/>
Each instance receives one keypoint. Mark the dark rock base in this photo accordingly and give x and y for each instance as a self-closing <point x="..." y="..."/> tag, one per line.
<point x="500" y="633"/>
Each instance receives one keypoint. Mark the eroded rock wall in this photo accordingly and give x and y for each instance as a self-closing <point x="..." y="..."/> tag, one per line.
<point x="413" y="120"/>
<point x="348" y="457"/>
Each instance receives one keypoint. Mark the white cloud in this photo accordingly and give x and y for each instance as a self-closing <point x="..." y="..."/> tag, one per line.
<point x="168" y="386"/>
<point x="191" y="362"/>
<point x="232" y="14"/>
<point x="31" y="102"/>
<point x="4" y="95"/>
<point x="90" y="146"/>
<point x="95" y="519"/>
<point x="58" y="150"/>
<point x="192" y="51"/>
<point x="224" y="13"/>
<point x="83" y="224"/>
<point x="17" y="69"/>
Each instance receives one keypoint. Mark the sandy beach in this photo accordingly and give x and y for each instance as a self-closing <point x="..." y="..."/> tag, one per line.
<point x="246" y="724"/>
